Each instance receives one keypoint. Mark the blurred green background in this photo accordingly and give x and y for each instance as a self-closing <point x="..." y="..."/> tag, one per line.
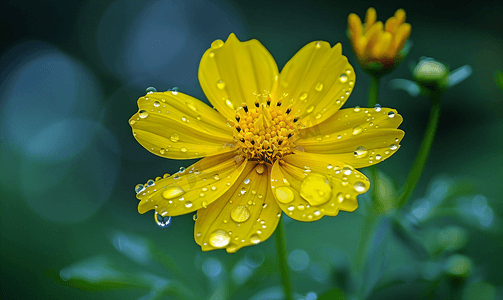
<point x="71" y="72"/>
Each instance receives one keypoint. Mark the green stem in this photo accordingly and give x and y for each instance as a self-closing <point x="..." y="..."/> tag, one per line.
<point x="283" y="266"/>
<point x="365" y="235"/>
<point x="374" y="91"/>
<point x="424" y="151"/>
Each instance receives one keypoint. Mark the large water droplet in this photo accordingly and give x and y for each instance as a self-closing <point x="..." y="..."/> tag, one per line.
<point x="162" y="221"/>
<point x="184" y="149"/>
<point x="378" y="157"/>
<point x="260" y="168"/>
<point x="221" y="84"/>
<point x="391" y="114"/>
<point x="315" y="189"/>
<point x="377" y="107"/>
<point x="255" y="238"/>
<point x="217" y="44"/>
<point x="157" y="103"/>
<point x="150" y="90"/>
<point x="174" y="137"/>
<point x="240" y="214"/>
<point x="303" y="96"/>
<point x="343" y="78"/>
<point x="188" y="204"/>
<point x="139" y="188"/>
<point x="143" y="114"/>
<point x="172" y="191"/>
<point x="174" y="90"/>
<point x="284" y="194"/>
<point x="360" y="187"/>
<point x="219" y="238"/>
<point x="357" y="130"/>
<point x="346" y="171"/>
<point x="360" y="152"/>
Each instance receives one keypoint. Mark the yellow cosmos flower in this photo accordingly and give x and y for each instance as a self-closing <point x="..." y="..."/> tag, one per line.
<point x="377" y="46"/>
<point x="274" y="142"/>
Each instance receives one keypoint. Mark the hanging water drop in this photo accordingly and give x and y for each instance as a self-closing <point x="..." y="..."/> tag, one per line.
<point x="219" y="238"/>
<point x="377" y="108"/>
<point x="139" y="188"/>
<point x="360" y="187"/>
<point x="217" y="44"/>
<point x="162" y="221"/>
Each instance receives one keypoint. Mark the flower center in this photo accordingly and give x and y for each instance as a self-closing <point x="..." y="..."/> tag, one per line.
<point x="265" y="133"/>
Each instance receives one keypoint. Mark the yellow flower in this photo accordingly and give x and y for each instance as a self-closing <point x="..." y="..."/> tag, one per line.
<point x="274" y="142"/>
<point x="378" y="47"/>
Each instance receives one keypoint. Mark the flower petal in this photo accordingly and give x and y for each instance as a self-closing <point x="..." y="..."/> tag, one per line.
<point x="307" y="190"/>
<point x="317" y="81"/>
<point x="178" y="126"/>
<point x="245" y="215"/>
<point x="235" y="72"/>
<point x="196" y="187"/>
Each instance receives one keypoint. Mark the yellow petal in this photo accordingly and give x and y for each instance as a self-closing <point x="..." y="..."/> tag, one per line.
<point x="355" y="27"/>
<point x="196" y="187"/>
<point x="400" y="15"/>
<point x="391" y="25"/>
<point x="382" y="49"/>
<point x="307" y="190"/>
<point x="235" y="72"/>
<point x="245" y="215"/>
<point x="370" y="17"/>
<point x="317" y="82"/>
<point x="402" y="35"/>
<point x="374" y="36"/>
<point x="175" y="125"/>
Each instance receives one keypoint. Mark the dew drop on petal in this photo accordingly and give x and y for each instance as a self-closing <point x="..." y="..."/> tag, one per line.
<point x="377" y="108"/>
<point x="184" y="149"/>
<point x="357" y="130"/>
<point x="346" y="171"/>
<point x="391" y="114"/>
<point x="229" y="103"/>
<point x="255" y="238"/>
<point x="191" y="104"/>
<point x="162" y="221"/>
<point x="315" y="189"/>
<point x="343" y="78"/>
<point x="284" y="194"/>
<point x="221" y="84"/>
<point x="393" y="147"/>
<point x="143" y="114"/>
<point x="340" y="197"/>
<point x="157" y="103"/>
<point x="303" y="96"/>
<point x="357" y="109"/>
<point x="240" y="214"/>
<point x="260" y="168"/>
<point x="188" y="204"/>
<point x="174" y="137"/>
<point x="150" y="90"/>
<point x="360" y="152"/>
<point x="139" y="188"/>
<point x="172" y="191"/>
<point x="360" y="187"/>
<point x="219" y="238"/>
<point x="319" y="87"/>
<point x="310" y="109"/>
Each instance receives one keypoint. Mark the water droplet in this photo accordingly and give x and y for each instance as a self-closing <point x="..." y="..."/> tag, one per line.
<point x="393" y="147"/>
<point x="191" y="104"/>
<point x="229" y="103"/>
<point x="377" y="107"/>
<point x="378" y="157"/>
<point x="150" y="182"/>
<point x="284" y="194"/>
<point x="318" y="45"/>
<point x="211" y="54"/>
<point x="318" y="116"/>
<point x="360" y="187"/>
<point x="340" y="197"/>
<point x="346" y="171"/>
<point x="260" y="168"/>
<point x="162" y="150"/>
<point x="157" y="103"/>
<point x="360" y="152"/>
<point x="316" y="213"/>
<point x="243" y="191"/>
<point x="132" y="122"/>
<point x="391" y="114"/>
<point x="162" y="221"/>
<point x="188" y="204"/>
<point x="301" y="207"/>
<point x="319" y="87"/>
<point x="291" y="208"/>
<point x="315" y="189"/>
<point x="182" y="169"/>
<point x="219" y="238"/>
<point x="184" y="149"/>
<point x="217" y="44"/>
<point x="247" y="181"/>
<point x="310" y="109"/>
<point x="255" y="238"/>
<point x="174" y="137"/>
<point x="216" y="177"/>
<point x="172" y="191"/>
<point x="174" y="90"/>
<point x="143" y="114"/>
<point x="343" y="78"/>
<point x="303" y="96"/>
<point x="221" y="84"/>
<point x="357" y="130"/>
<point x="240" y="214"/>
<point x="357" y="109"/>
<point x="139" y="188"/>
<point x="150" y="90"/>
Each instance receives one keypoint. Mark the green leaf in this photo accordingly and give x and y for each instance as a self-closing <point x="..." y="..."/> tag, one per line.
<point x="499" y="79"/>
<point x="333" y="294"/>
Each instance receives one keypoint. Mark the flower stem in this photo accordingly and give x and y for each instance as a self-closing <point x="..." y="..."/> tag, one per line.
<point x="374" y="91"/>
<point x="424" y="151"/>
<point x="283" y="267"/>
